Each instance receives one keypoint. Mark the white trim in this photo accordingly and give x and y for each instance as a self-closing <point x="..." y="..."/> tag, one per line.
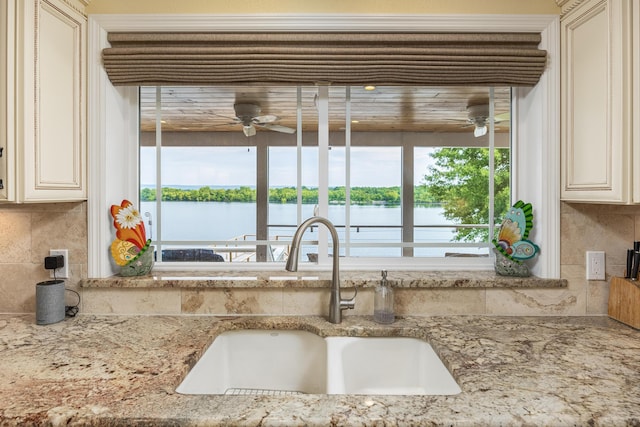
<point x="323" y="22"/>
<point x="346" y="264"/>
<point x="635" y="96"/>
<point x="96" y="134"/>
<point x="537" y="179"/>
<point x="112" y="136"/>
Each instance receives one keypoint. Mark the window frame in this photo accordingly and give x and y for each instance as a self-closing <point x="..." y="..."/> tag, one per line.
<point x="113" y="132"/>
<point x="405" y="145"/>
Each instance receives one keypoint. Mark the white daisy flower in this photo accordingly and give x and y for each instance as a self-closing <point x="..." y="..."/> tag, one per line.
<point x="128" y="217"/>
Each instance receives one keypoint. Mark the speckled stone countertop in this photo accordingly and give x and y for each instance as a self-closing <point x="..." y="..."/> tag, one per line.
<point x="321" y="279"/>
<point x="123" y="370"/>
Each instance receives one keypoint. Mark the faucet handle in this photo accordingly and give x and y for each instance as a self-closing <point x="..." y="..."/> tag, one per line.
<point x="349" y="303"/>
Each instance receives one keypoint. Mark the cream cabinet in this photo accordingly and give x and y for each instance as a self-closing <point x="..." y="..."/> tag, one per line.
<point x="600" y="139"/>
<point x="43" y="109"/>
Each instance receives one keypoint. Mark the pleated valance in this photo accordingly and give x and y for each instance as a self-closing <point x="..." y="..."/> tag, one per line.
<point x="510" y="59"/>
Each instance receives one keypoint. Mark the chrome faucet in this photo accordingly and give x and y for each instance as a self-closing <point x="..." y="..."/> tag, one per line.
<point x="336" y="304"/>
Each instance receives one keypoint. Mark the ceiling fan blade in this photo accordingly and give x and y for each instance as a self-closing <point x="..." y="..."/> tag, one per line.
<point x="267" y="118"/>
<point x="234" y="119"/>
<point x="249" y="130"/>
<point x="502" y="117"/>
<point x="233" y="123"/>
<point x="277" y="128"/>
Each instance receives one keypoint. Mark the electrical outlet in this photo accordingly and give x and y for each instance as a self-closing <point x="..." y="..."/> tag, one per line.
<point x="61" y="273"/>
<point x="595" y="265"/>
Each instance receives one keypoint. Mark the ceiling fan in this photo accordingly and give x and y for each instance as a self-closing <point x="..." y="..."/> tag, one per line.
<point x="479" y="117"/>
<point x="248" y="115"/>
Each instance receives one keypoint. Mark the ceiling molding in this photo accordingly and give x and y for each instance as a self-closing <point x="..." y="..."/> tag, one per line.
<point x="77" y="5"/>
<point x="323" y="22"/>
<point x="568" y="5"/>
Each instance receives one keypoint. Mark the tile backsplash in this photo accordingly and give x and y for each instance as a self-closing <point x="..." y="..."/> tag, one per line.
<point x="27" y="232"/>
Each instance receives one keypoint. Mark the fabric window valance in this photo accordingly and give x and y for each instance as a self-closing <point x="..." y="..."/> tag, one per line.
<point x="511" y="59"/>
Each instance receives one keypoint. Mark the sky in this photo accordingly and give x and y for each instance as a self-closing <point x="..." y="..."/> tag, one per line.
<point x="235" y="166"/>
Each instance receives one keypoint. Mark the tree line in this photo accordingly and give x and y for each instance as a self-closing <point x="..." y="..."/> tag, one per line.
<point x="457" y="180"/>
<point x="388" y="196"/>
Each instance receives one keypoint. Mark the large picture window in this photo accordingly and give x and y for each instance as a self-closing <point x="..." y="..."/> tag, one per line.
<point x="113" y="132"/>
<point x="412" y="173"/>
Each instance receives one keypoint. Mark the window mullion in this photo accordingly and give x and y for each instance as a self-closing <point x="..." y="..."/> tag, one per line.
<point x="299" y="154"/>
<point x="159" y="171"/>
<point x="407" y="197"/>
<point x="323" y="170"/>
<point x="347" y="178"/>
<point x="262" y="199"/>
<point x="491" y="163"/>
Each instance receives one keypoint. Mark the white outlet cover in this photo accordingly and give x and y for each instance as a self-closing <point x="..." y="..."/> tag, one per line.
<point x="60" y="273"/>
<point x="595" y="265"/>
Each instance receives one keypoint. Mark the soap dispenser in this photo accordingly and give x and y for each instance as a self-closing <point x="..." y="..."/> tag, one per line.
<point x="383" y="302"/>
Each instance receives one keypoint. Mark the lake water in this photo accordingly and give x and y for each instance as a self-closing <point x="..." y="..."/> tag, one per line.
<point x="207" y="221"/>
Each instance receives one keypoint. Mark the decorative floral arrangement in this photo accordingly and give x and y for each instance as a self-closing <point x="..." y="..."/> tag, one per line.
<point x="512" y="238"/>
<point x="131" y="239"/>
<point x="512" y="246"/>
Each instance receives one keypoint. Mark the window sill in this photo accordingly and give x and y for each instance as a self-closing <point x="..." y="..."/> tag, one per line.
<point x="320" y="279"/>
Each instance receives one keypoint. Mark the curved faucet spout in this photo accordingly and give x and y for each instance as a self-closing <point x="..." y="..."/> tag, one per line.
<point x="336" y="304"/>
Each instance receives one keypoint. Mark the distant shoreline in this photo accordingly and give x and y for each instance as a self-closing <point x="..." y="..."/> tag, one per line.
<point x="384" y="196"/>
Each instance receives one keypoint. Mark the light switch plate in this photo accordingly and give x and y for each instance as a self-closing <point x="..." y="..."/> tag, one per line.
<point x="595" y="265"/>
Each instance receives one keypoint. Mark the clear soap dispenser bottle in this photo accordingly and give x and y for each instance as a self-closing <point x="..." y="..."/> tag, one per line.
<point x="383" y="302"/>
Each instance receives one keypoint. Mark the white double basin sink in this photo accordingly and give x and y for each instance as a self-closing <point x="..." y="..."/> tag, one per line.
<point x="293" y="361"/>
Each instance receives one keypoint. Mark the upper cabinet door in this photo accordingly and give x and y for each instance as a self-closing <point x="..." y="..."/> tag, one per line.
<point x="7" y="97"/>
<point x="44" y="44"/>
<point x="54" y="129"/>
<point x="597" y="81"/>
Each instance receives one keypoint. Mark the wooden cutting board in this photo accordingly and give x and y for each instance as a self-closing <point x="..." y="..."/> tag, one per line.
<point x="624" y="301"/>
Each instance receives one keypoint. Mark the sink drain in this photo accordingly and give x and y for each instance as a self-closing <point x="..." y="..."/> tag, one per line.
<point x="259" y="391"/>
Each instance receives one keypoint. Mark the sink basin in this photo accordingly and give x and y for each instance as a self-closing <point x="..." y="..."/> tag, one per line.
<point x="292" y="362"/>
<point x="251" y="361"/>
<point x="390" y="365"/>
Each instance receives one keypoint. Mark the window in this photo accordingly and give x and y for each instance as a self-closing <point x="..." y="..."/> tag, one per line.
<point x="201" y="174"/>
<point x="113" y="133"/>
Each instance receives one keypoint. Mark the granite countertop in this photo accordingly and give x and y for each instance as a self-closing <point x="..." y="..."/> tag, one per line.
<point x="123" y="370"/>
<point x="321" y="279"/>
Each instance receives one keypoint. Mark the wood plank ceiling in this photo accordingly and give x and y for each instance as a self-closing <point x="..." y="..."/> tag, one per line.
<point x="388" y="108"/>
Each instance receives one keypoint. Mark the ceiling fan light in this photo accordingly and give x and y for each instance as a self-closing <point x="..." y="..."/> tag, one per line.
<point x="480" y="131"/>
<point x="249" y="130"/>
